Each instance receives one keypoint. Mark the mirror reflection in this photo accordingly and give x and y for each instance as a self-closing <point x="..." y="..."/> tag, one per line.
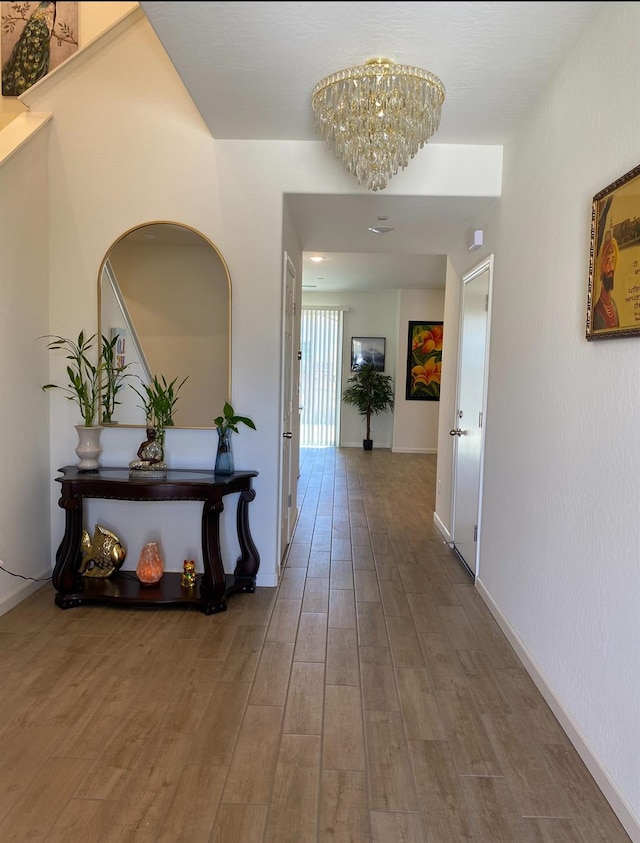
<point x="165" y="290"/>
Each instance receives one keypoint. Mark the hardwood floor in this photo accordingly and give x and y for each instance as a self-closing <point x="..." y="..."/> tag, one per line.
<point x="371" y="698"/>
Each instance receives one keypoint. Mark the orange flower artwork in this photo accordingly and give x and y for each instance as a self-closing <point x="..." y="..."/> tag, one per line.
<point x="424" y="363"/>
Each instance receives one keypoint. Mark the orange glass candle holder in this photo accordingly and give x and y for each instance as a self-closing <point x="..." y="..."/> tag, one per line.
<point x="150" y="566"/>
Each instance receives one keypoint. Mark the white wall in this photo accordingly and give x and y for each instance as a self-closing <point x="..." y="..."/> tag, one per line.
<point x="24" y="443"/>
<point x="415" y="427"/>
<point x="560" y="546"/>
<point x="93" y="19"/>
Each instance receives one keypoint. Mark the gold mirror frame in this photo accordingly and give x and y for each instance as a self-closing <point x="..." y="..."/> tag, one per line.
<point x="165" y="288"/>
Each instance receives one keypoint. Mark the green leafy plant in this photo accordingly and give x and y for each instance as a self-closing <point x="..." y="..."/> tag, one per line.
<point x="370" y="392"/>
<point x="84" y="375"/>
<point x="230" y="421"/>
<point x="159" y="399"/>
<point x="113" y="379"/>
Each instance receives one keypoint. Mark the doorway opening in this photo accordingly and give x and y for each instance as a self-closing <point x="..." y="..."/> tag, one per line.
<point x="320" y="345"/>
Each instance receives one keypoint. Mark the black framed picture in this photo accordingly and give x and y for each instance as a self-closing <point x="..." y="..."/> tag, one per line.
<point x="367" y="350"/>
<point x="424" y="361"/>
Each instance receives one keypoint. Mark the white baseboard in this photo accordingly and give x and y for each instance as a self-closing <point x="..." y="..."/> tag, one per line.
<point x="359" y="445"/>
<point x="22" y="592"/>
<point x="266" y="580"/>
<point x="414" y="450"/>
<point x="393" y="450"/>
<point x="441" y="527"/>
<point x="626" y="816"/>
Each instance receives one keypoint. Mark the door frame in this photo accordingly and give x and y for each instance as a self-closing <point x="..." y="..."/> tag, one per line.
<point x="478" y="269"/>
<point x="288" y="469"/>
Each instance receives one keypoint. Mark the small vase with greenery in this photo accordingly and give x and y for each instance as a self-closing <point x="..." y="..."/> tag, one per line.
<point x="159" y="399"/>
<point x="371" y="393"/>
<point x="226" y="424"/>
<point x="114" y="376"/>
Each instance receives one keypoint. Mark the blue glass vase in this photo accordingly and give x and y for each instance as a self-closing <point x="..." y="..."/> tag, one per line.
<point x="224" y="455"/>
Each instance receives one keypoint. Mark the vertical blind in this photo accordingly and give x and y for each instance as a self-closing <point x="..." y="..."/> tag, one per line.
<point x="320" y="343"/>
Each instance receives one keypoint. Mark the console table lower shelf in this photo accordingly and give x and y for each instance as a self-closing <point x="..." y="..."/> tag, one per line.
<point x="124" y="588"/>
<point x="212" y="586"/>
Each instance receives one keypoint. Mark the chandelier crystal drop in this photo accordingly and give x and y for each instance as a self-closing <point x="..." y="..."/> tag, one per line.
<point x="377" y="116"/>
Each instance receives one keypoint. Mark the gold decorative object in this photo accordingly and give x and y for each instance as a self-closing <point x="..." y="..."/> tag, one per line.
<point x="150" y="566"/>
<point x="188" y="578"/>
<point x="377" y="116"/>
<point x="103" y="555"/>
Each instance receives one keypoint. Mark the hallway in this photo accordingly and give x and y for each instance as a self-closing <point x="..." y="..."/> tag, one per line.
<point x="371" y="698"/>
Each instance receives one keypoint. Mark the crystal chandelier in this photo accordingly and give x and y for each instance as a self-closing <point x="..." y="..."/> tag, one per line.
<point x="377" y="116"/>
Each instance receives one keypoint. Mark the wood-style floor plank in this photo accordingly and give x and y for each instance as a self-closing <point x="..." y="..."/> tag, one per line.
<point x="344" y="808"/>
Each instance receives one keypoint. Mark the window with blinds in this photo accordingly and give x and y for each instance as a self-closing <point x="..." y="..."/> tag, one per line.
<point x="320" y="343"/>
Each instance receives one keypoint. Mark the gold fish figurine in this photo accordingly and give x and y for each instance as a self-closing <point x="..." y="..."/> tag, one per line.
<point x="103" y="555"/>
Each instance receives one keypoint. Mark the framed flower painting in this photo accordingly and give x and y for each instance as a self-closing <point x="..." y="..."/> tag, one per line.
<point x="424" y="361"/>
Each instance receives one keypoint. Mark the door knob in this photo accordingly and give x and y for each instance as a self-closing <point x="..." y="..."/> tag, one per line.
<point x="287" y="435"/>
<point x="456" y="432"/>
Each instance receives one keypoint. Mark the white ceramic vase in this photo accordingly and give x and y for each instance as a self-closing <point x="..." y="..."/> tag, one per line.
<point x="89" y="448"/>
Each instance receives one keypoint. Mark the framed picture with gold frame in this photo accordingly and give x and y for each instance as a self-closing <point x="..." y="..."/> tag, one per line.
<point x="613" y="302"/>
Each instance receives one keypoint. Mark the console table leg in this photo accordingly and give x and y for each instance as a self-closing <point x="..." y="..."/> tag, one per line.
<point x="213" y="583"/>
<point x="249" y="561"/>
<point x="69" y="553"/>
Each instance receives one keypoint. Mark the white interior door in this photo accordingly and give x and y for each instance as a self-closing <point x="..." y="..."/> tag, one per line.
<point x="468" y="425"/>
<point x="288" y="395"/>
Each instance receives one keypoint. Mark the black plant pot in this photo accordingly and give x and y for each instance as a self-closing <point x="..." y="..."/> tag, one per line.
<point x="367" y="444"/>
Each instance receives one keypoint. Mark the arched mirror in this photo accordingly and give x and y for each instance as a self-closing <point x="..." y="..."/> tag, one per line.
<point x="164" y="290"/>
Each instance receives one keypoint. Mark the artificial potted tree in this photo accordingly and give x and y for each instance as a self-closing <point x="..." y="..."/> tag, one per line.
<point x="370" y="391"/>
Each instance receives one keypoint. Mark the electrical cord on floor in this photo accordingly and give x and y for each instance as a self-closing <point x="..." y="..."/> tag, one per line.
<point x="22" y="576"/>
<point x="128" y="575"/>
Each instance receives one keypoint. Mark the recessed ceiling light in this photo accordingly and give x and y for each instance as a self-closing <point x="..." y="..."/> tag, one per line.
<point x="381" y="229"/>
<point x="382" y="219"/>
<point x="316" y="258"/>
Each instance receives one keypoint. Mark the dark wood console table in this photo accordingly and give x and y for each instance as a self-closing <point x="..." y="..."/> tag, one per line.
<point x="212" y="586"/>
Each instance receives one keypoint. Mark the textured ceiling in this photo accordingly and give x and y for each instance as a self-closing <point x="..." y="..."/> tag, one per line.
<point x="250" y="68"/>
